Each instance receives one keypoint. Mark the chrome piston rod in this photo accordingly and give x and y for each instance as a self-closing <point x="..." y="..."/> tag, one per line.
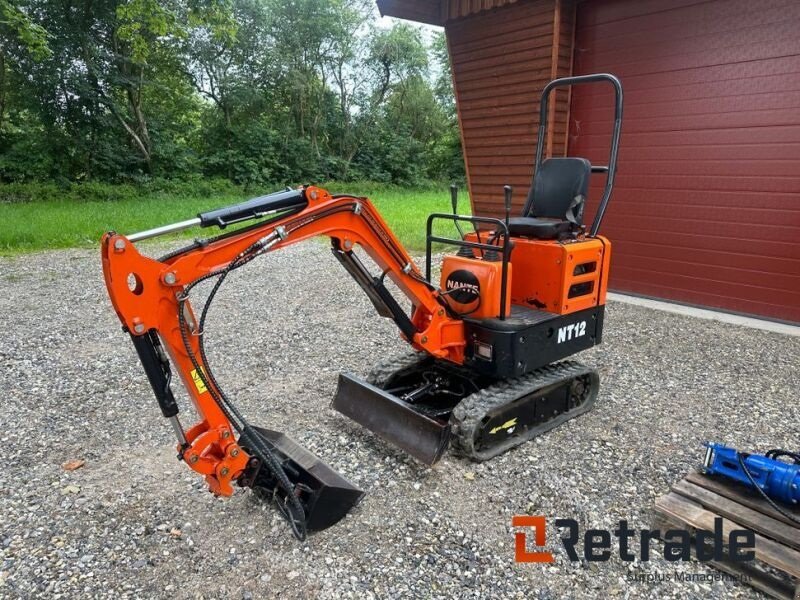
<point x="164" y="229"/>
<point x="256" y="208"/>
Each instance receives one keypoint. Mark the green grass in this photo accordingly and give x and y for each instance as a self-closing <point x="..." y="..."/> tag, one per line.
<point x="32" y="225"/>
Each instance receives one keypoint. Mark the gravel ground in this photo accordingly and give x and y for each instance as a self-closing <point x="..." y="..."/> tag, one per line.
<point x="135" y="522"/>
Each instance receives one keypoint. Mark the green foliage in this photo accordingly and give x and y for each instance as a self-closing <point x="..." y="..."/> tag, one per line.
<point x="99" y="192"/>
<point x="17" y="28"/>
<point x="258" y="92"/>
<point x="397" y="55"/>
<point x="144" y="24"/>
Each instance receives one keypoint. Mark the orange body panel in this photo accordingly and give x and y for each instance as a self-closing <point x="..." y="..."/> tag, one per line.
<point x="559" y="277"/>
<point x="473" y="286"/>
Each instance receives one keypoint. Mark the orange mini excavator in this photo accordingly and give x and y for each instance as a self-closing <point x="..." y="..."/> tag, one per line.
<point x="519" y="295"/>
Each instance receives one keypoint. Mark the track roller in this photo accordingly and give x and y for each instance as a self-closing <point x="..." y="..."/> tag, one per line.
<point x="511" y="412"/>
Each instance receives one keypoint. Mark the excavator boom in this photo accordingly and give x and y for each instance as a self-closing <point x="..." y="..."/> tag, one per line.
<point x="152" y="299"/>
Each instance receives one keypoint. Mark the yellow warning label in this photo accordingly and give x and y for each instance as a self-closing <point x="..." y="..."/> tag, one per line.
<point x="198" y="382"/>
<point x="507" y="425"/>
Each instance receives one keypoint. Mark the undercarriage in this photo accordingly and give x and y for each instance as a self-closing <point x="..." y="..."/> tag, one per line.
<point x="480" y="417"/>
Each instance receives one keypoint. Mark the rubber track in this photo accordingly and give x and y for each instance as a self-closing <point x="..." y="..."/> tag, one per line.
<point x="468" y="415"/>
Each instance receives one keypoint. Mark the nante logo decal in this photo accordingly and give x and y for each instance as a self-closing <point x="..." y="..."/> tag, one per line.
<point x="570" y="332"/>
<point x="463" y="287"/>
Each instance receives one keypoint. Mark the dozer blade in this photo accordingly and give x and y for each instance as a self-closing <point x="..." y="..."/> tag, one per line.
<point x="396" y="421"/>
<point x="325" y="495"/>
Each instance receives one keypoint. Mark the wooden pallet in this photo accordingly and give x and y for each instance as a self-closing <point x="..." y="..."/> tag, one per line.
<point x="698" y="499"/>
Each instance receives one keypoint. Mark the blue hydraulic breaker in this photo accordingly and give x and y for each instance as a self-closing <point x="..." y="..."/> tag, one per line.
<point x="777" y="479"/>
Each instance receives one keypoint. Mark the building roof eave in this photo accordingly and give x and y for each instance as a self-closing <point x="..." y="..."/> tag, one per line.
<point x="421" y="11"/>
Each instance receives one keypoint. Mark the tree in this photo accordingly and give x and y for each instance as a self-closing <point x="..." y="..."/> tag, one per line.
<point x="256" y="91"/>
<point x="93" y="81"/>
<point x="19" y="37"/>
<point x="447" y="158"/>
<point x="224" y="60"/>
<point x="397" y="55"/>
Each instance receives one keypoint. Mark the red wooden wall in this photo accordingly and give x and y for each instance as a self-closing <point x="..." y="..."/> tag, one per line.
<point x="706" y="209"/>
<point x="501" y="60"/>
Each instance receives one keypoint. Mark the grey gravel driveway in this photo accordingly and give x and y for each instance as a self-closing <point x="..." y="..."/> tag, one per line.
<point x="134" y="522"/>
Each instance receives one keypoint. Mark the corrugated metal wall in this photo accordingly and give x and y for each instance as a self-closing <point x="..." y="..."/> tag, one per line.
<point x="707" y="204"/>
<point x="501" y="60"/>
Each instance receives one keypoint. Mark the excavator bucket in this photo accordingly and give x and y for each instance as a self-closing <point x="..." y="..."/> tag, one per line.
<point x="391" y="418"/>
<point x="325" y="495"/>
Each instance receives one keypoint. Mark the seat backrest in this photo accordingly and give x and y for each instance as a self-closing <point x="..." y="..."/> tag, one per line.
<point x="556" y="183"/>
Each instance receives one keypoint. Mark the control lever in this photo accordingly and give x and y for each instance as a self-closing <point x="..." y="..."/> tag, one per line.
<point x="454" y="202"/>
<point x="463" y="250"/>
<point x="507" y="189"/>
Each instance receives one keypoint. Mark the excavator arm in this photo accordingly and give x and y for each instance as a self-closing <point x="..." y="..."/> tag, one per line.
<point x="152" y="299"/>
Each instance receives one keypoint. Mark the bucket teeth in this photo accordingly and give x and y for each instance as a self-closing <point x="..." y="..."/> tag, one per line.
<point x="395" y="421"/>
<point x="326" y="496"/>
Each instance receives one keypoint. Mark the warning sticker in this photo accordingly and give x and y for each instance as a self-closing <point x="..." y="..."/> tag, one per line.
<point x="198" y="382"/>
<point x="508" y="426"/>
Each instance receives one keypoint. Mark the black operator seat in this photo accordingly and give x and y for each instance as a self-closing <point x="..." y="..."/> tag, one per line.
<point x="554" y="209"/>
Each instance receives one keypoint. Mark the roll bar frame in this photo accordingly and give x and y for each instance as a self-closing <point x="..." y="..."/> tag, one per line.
<point x="611" y="169"/>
